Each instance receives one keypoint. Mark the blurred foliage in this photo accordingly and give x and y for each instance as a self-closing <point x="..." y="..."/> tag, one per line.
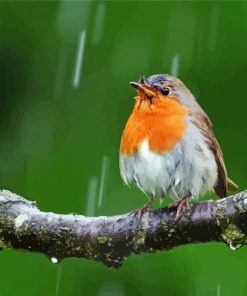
<point x="55" y="134"/>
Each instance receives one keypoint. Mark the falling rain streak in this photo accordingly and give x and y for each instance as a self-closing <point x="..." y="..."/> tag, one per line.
<point x="175" y="65"/>
<point x="91" y="196"/>
<point x="98" y="24"/>
<point x="58" y="283"/>
<point x="79" y="59"/>
<point x="218" y="290"/>
<point x="103" y="178"/>
<point x="214" y="21"/>
<point x="111" y="288"/>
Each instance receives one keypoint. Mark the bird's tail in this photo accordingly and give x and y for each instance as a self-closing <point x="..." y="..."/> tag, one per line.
<point x="231" y="185"/>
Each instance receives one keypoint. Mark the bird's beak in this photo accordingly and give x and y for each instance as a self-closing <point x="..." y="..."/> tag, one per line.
<point x="137" y="85"/>
<point x="145" y="89"/>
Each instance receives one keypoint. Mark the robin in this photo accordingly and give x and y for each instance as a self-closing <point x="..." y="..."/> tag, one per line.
<point x="168" y="147"/>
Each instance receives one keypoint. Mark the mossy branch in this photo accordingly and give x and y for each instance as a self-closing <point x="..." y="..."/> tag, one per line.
<point x="112" y="239"/>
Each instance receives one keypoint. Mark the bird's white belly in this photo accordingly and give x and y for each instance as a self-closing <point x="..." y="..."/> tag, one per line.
<point x="190" y="168"/>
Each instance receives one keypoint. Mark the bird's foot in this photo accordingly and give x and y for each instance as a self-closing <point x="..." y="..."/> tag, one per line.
<point x="181" y="205"/>
<point x="140" y="212"/>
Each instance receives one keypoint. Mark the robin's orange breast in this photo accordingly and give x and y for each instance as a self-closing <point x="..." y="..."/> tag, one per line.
<point x="162" y="124"/>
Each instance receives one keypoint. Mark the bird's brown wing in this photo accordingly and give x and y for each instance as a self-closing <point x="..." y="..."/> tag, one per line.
<point x="223" y="182"/>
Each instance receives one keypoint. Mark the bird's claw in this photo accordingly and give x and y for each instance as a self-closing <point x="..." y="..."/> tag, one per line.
<point x="181" y="206"/>
<point x="140" y="212"/>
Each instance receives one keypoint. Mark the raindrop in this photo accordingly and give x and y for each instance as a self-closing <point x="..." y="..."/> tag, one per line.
<point x="112" y="288"/>
<point x="71" y="17"/>
<point x="79" y="59"/>
<point x="218" y="290"/>
<point x="232" y="247"/>
<point x="175" y="65"/>
<point x="103" y="178"/>
<point x="54" y="260"/>
<point x="91" y="196"/>
<point x="98" y="26"/>
<point x="58" y="283"/>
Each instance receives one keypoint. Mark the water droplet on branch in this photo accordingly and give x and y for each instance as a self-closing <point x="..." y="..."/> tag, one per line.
<point x="54" y="260"/>
<point x="234" y="247"/>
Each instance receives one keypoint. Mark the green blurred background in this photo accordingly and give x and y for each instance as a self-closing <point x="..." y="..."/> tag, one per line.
<point x="64" y="100"/>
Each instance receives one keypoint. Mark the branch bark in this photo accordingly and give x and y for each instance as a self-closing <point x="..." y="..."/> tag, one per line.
<point x="111" y="240"/>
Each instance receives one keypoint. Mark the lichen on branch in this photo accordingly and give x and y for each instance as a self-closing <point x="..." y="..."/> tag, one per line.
<point x="111" y="240"/>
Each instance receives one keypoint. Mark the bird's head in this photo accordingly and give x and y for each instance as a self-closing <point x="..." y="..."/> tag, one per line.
<point x="155" y="90"/>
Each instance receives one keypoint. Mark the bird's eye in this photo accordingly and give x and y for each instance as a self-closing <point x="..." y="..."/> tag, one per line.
<point x="165" y="91"/>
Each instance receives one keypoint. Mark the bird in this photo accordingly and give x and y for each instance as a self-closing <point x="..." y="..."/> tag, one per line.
<point x="168" y="147"/>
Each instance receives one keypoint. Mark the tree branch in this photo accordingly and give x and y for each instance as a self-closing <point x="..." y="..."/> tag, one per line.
<point x="112" y="239"/>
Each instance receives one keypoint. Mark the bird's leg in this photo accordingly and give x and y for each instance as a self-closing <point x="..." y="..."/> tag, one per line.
<point x="181" y="205"/>
<point x="144" y="209"/>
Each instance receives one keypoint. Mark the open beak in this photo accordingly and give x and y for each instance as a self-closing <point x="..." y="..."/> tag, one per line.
<point x="138" y="86"/>
<point x="145" y="89"/>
